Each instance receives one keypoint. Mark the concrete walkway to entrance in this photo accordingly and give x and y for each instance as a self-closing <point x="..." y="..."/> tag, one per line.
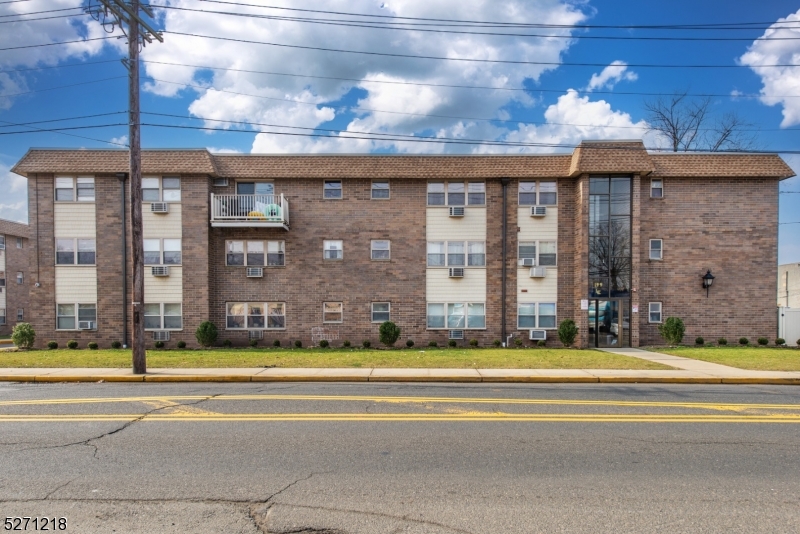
<point x="687" y="364"/>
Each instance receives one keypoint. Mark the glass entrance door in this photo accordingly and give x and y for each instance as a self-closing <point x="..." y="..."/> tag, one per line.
<point x="609" y="323"/>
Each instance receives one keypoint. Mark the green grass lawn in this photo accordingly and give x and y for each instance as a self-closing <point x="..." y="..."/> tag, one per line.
<point x="450" y="358"/>
<point x="749" y="357"/>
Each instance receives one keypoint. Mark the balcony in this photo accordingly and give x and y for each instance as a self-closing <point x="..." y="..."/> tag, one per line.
<point x="250" y="211"/>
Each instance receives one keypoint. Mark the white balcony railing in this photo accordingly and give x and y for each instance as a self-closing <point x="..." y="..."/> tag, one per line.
<point x="250" y="210"/>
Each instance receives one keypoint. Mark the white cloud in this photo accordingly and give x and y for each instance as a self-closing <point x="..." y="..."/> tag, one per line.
<point x="121" y="140"/>
<point x="780" y="84"/>
<point x="612" y="75"/>
<point x="14" y="202"/>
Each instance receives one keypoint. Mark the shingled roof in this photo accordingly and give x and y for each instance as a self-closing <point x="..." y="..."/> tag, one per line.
<point x="195" y="161"/>
<point x="721" y="165"/>
<point x="14" y="228"/>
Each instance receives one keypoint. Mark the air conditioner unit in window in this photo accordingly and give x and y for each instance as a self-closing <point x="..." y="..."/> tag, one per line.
<point x="159" y="207"/>
<point x="255" y="272"/>
<point x="456" y="211"/>
<point x="161" y="335"/>
<point x="538" y="211"/>
<point x="456" y="272"/>
<point x="455" y="334"/>
<point x="86" y="325"/>
<point x="160" y="270"/>
<point x="255" y="334"/>
<point x="538" y="272"/>
<point x="538" y="335"/>
<point x="220" y="182"/>
<point x="527" y="262"/>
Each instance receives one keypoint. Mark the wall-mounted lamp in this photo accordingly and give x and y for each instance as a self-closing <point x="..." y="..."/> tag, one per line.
<point x="598" y="288"/>
<point x="708" y="279"/>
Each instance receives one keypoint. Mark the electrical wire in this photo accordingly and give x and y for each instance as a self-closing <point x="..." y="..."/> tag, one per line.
<point x="64" y="119"/>
<point x="62" y="86"/>
<point x="62" y="66"/>
<point x="38" y="130"/>
<point x="40" y="18"/>
<point x="40" y="12"/>
<point x="61" y="43"/>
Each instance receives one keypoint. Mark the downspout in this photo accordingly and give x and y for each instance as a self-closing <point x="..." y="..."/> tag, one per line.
<point x="122" y="176"/>
<point x="504" y="182"/>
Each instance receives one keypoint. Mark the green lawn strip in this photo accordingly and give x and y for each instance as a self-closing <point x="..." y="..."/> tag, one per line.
<point x="315" y="358"/>
<point x="754" y="358"/>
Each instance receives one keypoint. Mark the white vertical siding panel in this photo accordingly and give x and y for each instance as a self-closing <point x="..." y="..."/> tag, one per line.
<point x="439" y="287"/>
<point x="162" y="225"/>
<point x="75" y="219"/>
<point x="442" y="227"/>
<point x="76" y="284"/>
<point x="544" y="228"/>
<point x="539" y="289"/>
<point x="537" y="229"/>
<point x="164" y="288"/>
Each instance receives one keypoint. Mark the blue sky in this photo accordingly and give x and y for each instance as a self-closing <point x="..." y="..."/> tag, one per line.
<point x="585" y="76"/>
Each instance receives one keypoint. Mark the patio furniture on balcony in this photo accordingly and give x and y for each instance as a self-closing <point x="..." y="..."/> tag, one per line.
<point x="250" y="211"/>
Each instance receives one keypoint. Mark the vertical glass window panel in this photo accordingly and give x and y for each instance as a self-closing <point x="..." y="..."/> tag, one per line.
<point x="527" y="193"/>
<point x="275" y="253"/>
<point x="65" y="314"/>
<point x="87" y="312"/>
<point x="621" y="196"/>
<point x="436" y="256"/>
<point x="19" y="242"/>
<point x="171" y="189"/>
<point x="435" y="315"/>
<point x="435" y="193"/>
<point x="86" y="251"/>
<point x="619" y="240"/>
<point x="527" y="250"/>
<point x="476" y="254"/>
<point x="235" y="315"/>
<point x="599" y="257"/>
<point x="20" y="278"/>
<point x="655" y="312"/>
<point x="234" y="254"/>
<point x="2" y="242"/>
<point x="547" y="253"/>
<point x="255" y="315"/>
<point x="598" y="185"/>
<point x="85" y="189"/>
<point x="455" y="315"/>
<point x="380" y="312"/>
<point x="380" y="190"/>
<point x="332" y="250"/>
<point x="65" y="189"/>
<point x="548" y="193"/>
<point x="455" y="253"/>
<point x="150" y="190"/>
<point x="476" y="193"/>
<point x="172" y="316"/>
<point x="621" y="278"/>
<point x="598" y="215"/>
<point x="65" y="251"/>
<point x="455" y="193"/>
<point x="380" y="250"/>
<point x="152" y="316"/>
<point x="245" y="188"/>
<point x="655" y="249"/>
<point x="20" y="314"/>
<point x="265" y="188"/>
<point x="526" y="315"/>
<point x="333" y="189"/>
<point x="152" y="252"/>
<point x="276" y="317"/>
<point x="3" y="316"/>
<point x="255" y="253"/>
<point x="656" y="189"/>
<point x="547" y="315"/>
<point x="332" y="312"/>
<point x="476" y="315"/>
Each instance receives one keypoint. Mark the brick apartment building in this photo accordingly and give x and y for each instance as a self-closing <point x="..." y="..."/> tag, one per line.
<point x="291" y="247"/>
<point x="14" y="270"/>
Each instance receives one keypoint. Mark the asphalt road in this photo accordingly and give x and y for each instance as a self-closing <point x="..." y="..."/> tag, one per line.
<point x="397" y="458"/>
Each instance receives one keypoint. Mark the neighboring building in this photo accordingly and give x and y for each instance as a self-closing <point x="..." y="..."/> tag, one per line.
<point x="789" y="285"/>
<point x="291" y="247"/>
<point x="14" y="273"/>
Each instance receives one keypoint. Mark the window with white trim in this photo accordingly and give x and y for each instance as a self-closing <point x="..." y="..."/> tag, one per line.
<point x="380" y="249"/>
<point x="656" y="249"/>
<point x="163" y="316"/>
<point x="526" y="315"/>
<point x="2" y="316"/>
<point x="542" y="193"/>
<point x="332" y="189"/>
<point x="2" y="242"/>
<point x="162" y="251"/>
<point x="20" y="277"/>
<point x="654" y="312"/>
<point x="476" y="254"/>
<point x="19" y="242"/>
<point x="332" y="312"/>
<point x="66" y="318"/>
<point x="66" y="251"/>
<point x="656" y="188"/>
<point x="456" y="315"/>
<point x="456" y="193"/>
<point x="2" y="282"/>
<point x="547" y="252"/>
<point x="380" y="190"/>
<point x="380" y="312"/>
<point x="255" y="315"/>
<point x="252" y="253"/>
<point x="332" y="249"/>
<point x="20" y="315"/>
<point x="161" y="189"/>
<point x="547" y="315"/>
<point x="435" y="193"/>
<point x="72" y="188"/>
<point x="456" y="253"/>
<point x="536" y="315"/>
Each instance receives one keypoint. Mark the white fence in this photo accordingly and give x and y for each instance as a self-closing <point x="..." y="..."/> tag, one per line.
<point x="789" y="325"/>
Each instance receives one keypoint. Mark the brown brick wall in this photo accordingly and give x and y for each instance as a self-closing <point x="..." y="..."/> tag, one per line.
<point x="580" y="262"/>
<point x="42" y="258"/>
<point x="17" y="295"/>
<point x="567" y="306"/>
<point x="109" y="263"/>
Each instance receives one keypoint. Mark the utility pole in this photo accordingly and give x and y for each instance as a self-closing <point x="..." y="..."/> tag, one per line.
<point x="126" y="15"/>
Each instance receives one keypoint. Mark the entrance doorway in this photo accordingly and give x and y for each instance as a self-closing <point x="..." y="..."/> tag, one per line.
<point x="610" y="323"/>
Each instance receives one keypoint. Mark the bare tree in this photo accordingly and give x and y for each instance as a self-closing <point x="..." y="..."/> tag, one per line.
<point x="688" y="124"/>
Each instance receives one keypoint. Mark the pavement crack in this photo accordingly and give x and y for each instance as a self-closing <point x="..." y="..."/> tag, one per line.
<point x="62" y="486"/>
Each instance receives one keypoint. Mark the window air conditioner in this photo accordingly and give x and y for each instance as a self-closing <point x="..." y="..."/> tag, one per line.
<point x="455" y="334"/>
<point x="255" y="272"/>
<point x="538" y="272"/>
<point x="86" y="325"/>
<point x="255" y="334"/>
<point x="159" y="207"/>
<point x="456" y="211"/>
<point x="538" y="335"/>
<point x="538" y="211"/>
<point x="527" y="262"/>
<point x="160" y="270"/>
<point x="456" y="272"/>
<point x="220" y="182"/>
<point x="161" y="335"/>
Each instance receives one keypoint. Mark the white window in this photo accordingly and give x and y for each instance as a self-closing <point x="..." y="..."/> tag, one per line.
<point x="332" y="250"/>
<point x="526" y="315"/>
<point x="547" y="253"/>
<point x="2" y="242"/>
<point x="276" y="315"/>
<point x="20" y="315"/>
<point x="476" y="193"/>
<point x="380" y="190"/>
<point x="255" y="315"/>
<point x="2" y="316"/>
<point x="163" y="316"/>
<point x="436" y="257"/>
<point x="66" y="319"/>
<point x="332" y="189"/>
<point x="19" y="241"/>
<point x="526" y="250"/>
<point x="476" y="315"/>
<point x="436" y="315"/>
<point x="255" y="253"/>
<point x="547" y="193"/>
<point x="70" y="188"/>
<point x="458" y="253"/>
<point x="547" y="315"/>
<point x="476" y="254"/>
<point x="455" y="253"/>
<point x="457" y="193"/>
<point x="251" y="253"/>
<point x="656" y="249"/>
<point x="435" y="193"/>
<point x="380" y="250"/>
<point x="276" y="254"/>
<point x="20" y="277"/>
<point x="66" y="248"/>
<point x="456" y="315"/>
<point x="656" y="189"/>
<point x="156" y="189"/>
<point x="332" y="312"/>
<point x="527" y="193"/>
<point x="380" y="312"/>
<point x="655" y="312"/>
<point x="166" y="251"/>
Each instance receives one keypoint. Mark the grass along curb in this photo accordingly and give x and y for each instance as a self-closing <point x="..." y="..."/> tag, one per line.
<point x="753" y="358"/>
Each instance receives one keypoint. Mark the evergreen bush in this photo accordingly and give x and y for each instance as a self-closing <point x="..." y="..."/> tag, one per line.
<point x="409" y="343"/>
<point x="254" y="343"/>
<point x="206" y="333"/>
<point x="298" y="344"/>
<point x="699" y="341"/>
<point x="324" y="344"/>
<point x="389" y="333"/>
<point x="276" y="343"/>
<point x="72" y="344"/>
<point x="23" y="335"/>
<point x="722" y="341"/>
<point x="433" y="344"/>
<point x="567" y="332"/>
<point x="473" y="342"/>
<point x="780" y="342"/>
<point x="451" y="343"/>
<point x="159" y="345"/>
<point x="743" y="341"/>
<point x="346" y="343"/>
<point x="227" y="343"/>
<point x="763" y="341"/>
<point x="366" y="344"/>
<point x="672" y="330"/>
<point x="181" y="344"/>
<point x="92" y="345"/>
<point x="118" y="345"/>
<point x="52" y="345"/>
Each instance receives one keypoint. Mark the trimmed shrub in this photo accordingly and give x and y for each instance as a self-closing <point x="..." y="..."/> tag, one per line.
<point x="72" y="344"/>
<point x="389" y="333"/>
<point x="118" y="344"/>
<point x="276" y="343"/>
<point x="52" y="345"/>
<point x="298" y="344"/>
<point x="409" y="343"/>
<point x="92" y="345"/>
<point x="451" y="343"/>
<point x="324" y="344"/>
<point x="743" y="341"/>
<point x="763" y="341"/>
<point x="23" y="335"/>
<point x="346" y="343"/>
<point x="254" y="343"/>
<point x="518" y="342"/>
<point x="798" y="342"/>
<point x="366" y="344"/>
<point x="433" y="344"/>
<point x="541" y="343"/>
<point x="227" y="343"/>
<point x="181" y="344"/>
<point x="473" y="342"/>
<point x="699" y="341"/>
<point x="722" y="341"/>
<point x="567" y="332"/>
<point x="159" y="345"/>
<point x="497" y="343"/>
<point x="206" y="333"/>
<point x="672" y="330"/>
<point x="780" y="341"/>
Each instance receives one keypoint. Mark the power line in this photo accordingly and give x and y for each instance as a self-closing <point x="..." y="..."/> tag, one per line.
<point x="63" y="86"/>
<point x="64" y="133"/>
<point x="40" y="18"/>
<point x="40" y="12"/>
<point x="64" y="119"/>
<point x="61" y="43"/>
<point x="47" y="130"/>
<point x="65" y="65"/>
